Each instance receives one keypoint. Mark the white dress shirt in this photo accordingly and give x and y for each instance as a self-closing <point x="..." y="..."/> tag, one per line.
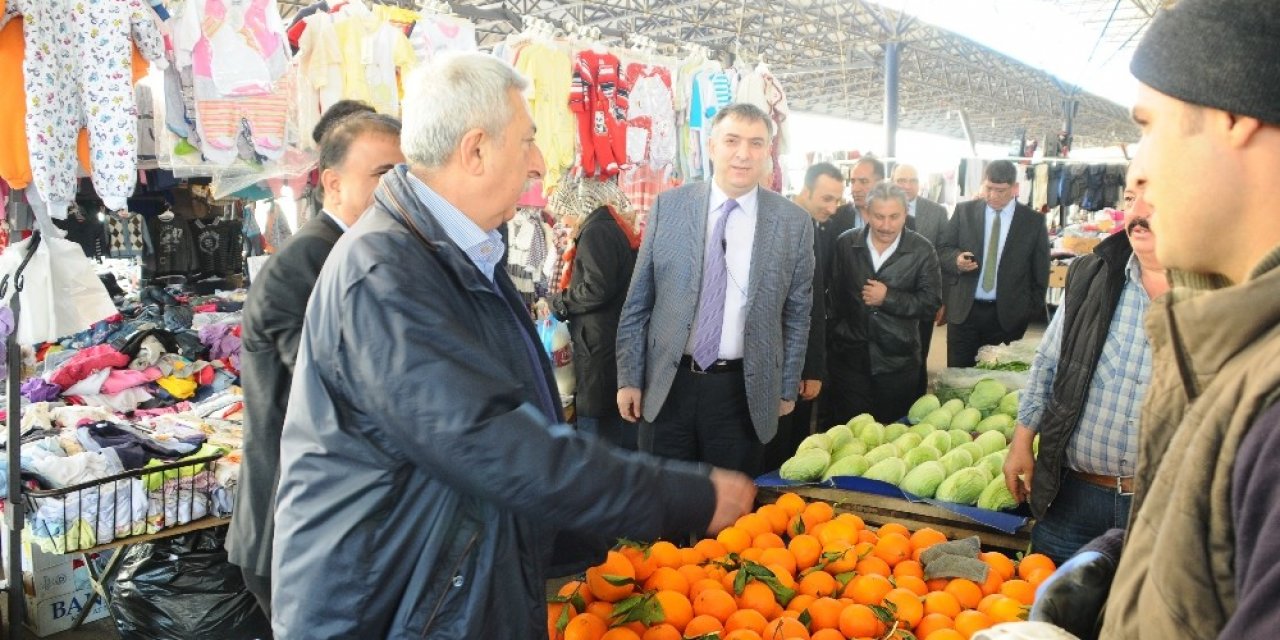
<point x="739" y="236"/>
<point x="878" y="259"/>
<point x="336" y="220"/>
<point x="1006" y="221"/>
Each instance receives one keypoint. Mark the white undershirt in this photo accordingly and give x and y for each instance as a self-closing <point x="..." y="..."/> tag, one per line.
<point x="878" y="259"/>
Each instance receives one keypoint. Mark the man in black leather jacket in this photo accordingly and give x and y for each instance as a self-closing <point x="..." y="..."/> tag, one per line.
<point x="885" y="280"/>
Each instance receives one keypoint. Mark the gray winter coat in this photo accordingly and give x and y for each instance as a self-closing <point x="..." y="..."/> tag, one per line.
<point x="421" y="486"/>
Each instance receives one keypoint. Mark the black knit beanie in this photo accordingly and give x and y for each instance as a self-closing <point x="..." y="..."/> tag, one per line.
<point x="1223" y="54"/>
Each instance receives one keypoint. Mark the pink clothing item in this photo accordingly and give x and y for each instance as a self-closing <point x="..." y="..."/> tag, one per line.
<point x="205" y="308"/>
<point x="81" y="365"/>
<point x="122" y="379"/>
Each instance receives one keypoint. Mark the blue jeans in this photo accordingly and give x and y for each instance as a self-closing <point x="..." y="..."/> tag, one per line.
<point x="613" y="430"/>
<point x="1081" y="512"/>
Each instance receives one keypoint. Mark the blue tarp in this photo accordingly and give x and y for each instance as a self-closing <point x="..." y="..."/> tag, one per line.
<point x="1005" y="521"/>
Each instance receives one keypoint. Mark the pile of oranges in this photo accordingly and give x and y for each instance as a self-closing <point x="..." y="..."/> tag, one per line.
<point x="791" y="569"/>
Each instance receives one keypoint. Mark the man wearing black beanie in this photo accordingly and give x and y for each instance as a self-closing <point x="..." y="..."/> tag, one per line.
<point x="1200" y="558"/>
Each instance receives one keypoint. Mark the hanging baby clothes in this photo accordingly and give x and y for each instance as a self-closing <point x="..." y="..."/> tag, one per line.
<point x="711" y="92"/>
<point x="237" y="53"/>
<point x="779" y="111"/>
<point x="372" y="52"/>
<point x="651" y="118"/>
<point x="549" y="71"/>
<point x="174" y="251"/>
<point x="398" y="17"/>
<point x="319" y="70"/>
<point x="126" y="236"/>
<point x="433" y="35"/>
<point x="77" y="70"/>
<point x="599" y="98"/>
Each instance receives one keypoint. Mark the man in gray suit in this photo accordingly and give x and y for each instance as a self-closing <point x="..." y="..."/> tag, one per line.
<point x="713" y="334"/>
<point x="928" y="219"/>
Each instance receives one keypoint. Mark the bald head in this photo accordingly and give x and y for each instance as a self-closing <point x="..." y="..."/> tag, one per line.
<point x="907" y="179"/>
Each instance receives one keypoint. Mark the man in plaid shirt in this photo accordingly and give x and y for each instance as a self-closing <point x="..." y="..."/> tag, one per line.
<point x="1085" y="392"/>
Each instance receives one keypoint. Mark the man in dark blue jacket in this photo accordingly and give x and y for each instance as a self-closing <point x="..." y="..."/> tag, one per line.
<point x="425" y="471"/>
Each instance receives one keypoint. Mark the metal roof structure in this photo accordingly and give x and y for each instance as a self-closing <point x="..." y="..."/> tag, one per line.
<point x="830" y="57"/>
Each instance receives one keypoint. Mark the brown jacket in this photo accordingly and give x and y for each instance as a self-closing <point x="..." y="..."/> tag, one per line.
<point x="1216" y="368"/>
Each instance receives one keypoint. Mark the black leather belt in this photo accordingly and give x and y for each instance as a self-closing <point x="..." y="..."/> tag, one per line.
<point x="984" y="302"/>
<point x="719" y="366"/>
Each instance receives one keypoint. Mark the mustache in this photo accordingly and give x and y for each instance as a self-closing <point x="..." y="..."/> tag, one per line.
<point x="1138" y="222"/>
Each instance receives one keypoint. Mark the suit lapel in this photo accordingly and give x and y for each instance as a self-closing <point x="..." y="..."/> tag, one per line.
<point x="762" y="246"/>
<point x="696" y="234"/>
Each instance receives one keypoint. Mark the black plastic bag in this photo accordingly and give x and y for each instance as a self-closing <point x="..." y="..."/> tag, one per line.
<point x="183" y="588"/>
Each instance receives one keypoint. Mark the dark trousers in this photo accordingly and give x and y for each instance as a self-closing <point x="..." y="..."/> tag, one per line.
<point x="706" y="419"/>
<point x="981" y="328"/>
<point x="852" y="389"/>
<point x="1080" y="512"/>
<point x="612" y="429"/>
<point x="792" y="429"/>
<point x="926" y="340"/>
<point x="260" y="587"/>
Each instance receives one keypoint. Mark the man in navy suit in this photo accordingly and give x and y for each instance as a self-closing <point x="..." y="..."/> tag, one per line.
<point x="713" y="335"/>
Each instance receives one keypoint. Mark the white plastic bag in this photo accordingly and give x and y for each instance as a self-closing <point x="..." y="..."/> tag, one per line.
<point x="61" y="294"/>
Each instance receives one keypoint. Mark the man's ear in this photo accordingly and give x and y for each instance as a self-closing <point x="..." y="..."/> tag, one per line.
<point x="472" y="150"/>
<point x="331" y="182"/>
<point x="1241" y="130"/>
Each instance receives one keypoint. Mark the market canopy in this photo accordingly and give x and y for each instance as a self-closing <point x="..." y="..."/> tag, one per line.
<point x="830" y="56"/>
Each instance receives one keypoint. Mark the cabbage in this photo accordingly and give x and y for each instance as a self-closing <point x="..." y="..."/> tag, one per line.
<point x="956" y="460"/>
<point x="858" y="420"/>
<point x="819" y="441"/>
<point x="921" y="454"/>
<point x="854" y="448"/>
<point x="974" y="449"/>
<point x="872" y="434"/>
<point x="894" y="431"/>
<point x="963" y="486"/>
<point x="939" y="440"/>
<point x="840" y="435"/>
<point x="967" y="419"/>
<point x="924" y="406"/>
<point x="1009" y="404"/>
<point x="853" y="465"/>
<point x="806" y="466"/>
<point x="882" y="452"/>
<point x="993" y="463"/>
<point x="907" y="442"/>
<point x="953" y="406"/>
<point x="889" y="470"/>
<point x="987" y="395"/>
<point x="996" y="496"/>
<point x="940" y="419"/>
<point x="996" y="422"/>
<point x="991" y="442"/>
<point x="923" y="429"/>
<point x="924" y="479"/>
<point x="959" y="437"/>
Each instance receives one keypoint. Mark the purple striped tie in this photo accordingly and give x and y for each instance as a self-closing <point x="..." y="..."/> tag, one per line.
<point x="706" y="343"/>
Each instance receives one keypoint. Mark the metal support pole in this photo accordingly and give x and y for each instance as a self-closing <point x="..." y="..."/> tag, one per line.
<point x="892" y="51"/>
<point x="968" y="134"/>
<point x="13" y="506"/>
<point x="1069" y="107"/>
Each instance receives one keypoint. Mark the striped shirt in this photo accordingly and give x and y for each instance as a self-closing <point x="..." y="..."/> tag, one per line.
<point x="1106" y="440"/>
<point x="485" y="249"/>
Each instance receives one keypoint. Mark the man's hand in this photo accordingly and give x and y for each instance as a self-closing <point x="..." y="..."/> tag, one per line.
<point x="873" y="293"/>
<point x="1073" y="596"/>
<point x="735" y="497"/>
<point x="629" y="399"/>
<point x="941" y="318"/>
<point x="965" y="263"/>
<point x="787" y="407"/>
<point x="809" y="389"/>
<point x="1019" y="465"/>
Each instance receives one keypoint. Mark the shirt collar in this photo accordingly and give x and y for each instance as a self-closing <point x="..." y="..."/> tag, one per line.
<point x="747" y="202"/>
<point x="485" y="249"/>
<point x="911" y="206"/>
<point x="338" y="221"/>
<point x="1008" y="208"/>
<point x="1134" y="269"/>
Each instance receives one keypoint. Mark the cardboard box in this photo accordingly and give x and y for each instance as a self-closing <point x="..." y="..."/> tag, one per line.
<point x="49" y="614"/>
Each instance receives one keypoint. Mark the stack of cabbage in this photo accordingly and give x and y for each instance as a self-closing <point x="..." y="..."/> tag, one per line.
<point x="937" y="455"/>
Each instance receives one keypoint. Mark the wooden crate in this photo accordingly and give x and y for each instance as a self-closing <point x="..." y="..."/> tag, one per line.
<point x="878" y="510"/>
